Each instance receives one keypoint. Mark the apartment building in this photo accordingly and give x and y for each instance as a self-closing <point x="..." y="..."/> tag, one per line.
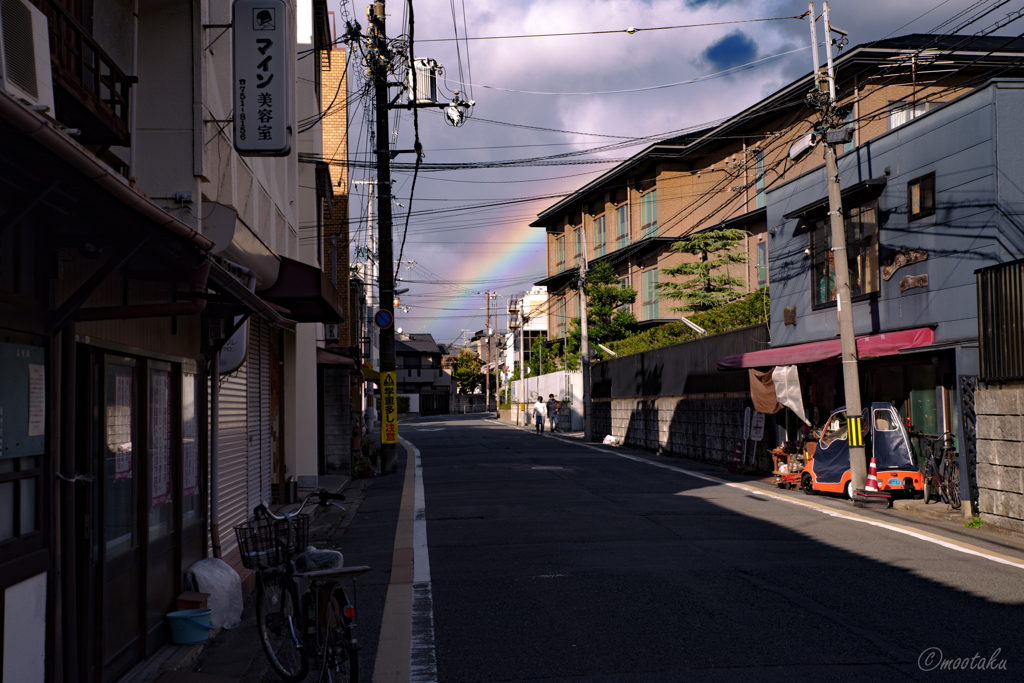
<point x="718" y="176"/>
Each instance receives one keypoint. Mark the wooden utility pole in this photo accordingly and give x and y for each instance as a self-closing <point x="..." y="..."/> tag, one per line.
<point x="825" y="98"/>
<point x="385" y="260"/>
<point x="487" y="329"/>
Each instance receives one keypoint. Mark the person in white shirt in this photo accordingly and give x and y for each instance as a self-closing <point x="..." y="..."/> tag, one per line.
<point x="539" y="411"/>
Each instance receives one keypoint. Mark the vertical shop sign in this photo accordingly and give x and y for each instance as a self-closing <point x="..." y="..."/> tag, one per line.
<point x="160" y="438"/>
<point x="757" y="428"/>
<point x="262" y="77"/>
<point x="36" y="400"/>
<point x="190" y="438"/>
<point x="388" y="408"/>
<point x="119" y="426"/>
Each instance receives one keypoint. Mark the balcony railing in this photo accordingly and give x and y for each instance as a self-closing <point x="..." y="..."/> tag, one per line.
<point x="88" y="75"/>
<point x="1001" y="321"/>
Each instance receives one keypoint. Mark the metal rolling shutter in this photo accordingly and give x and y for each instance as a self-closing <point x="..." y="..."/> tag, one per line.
<point x="234" y="499"/>
<point x="258" y="396"/>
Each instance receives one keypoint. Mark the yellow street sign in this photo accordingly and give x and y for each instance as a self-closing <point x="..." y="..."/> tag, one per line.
<point x="388" y="408"/>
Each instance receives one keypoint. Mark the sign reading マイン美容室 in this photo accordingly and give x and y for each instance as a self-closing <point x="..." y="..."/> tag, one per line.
<point x="262" y="77"/>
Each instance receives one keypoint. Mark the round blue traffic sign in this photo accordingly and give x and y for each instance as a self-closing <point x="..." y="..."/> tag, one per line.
<point x="383" y="319"/>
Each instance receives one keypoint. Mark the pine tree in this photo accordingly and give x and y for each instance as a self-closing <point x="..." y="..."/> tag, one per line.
<point x="707" y="288"/>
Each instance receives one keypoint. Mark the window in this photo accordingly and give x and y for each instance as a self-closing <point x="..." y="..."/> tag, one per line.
<point x="862" y="255"/>
<point x="921" y="197"/>
<point x="762" y="264"/>
<point x="834" y="431"/>
<point x="759" y="177"/>
<point x="650" y="294"/>
<point x="621" y="226"/>
<point x="600" y="236"/>
<point x="560" y="317"/>
<point x="19" y="497"/>
<point x="161" y="437"/>
<point x="850" y="123"/>
<point x="559" y="254"/>
<point x="902" y="112"/>
<point x="884" y="421"/>
<point x="578" y="244"/>
<point x="191" y="511"/>
<point x="649" y="214"/>
<point x="624" y="284"/>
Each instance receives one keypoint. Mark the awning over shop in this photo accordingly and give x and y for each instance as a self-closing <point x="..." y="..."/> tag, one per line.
<point x="886" y="344"/>
<point x="325" y="357"/>
<point x="370" y="375"/>
<point x="306" y="292"/>
<point x="234" y="290"/>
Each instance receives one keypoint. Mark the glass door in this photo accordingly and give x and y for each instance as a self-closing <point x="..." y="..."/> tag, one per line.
<point x="120" y="541"/>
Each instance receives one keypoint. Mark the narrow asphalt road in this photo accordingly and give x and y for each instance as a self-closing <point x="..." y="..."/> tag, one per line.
<point x="553" y="561"/>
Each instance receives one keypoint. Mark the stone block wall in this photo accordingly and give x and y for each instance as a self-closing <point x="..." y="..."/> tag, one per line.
<point x="705" y="429"/>
<point x="1000" y="412"/>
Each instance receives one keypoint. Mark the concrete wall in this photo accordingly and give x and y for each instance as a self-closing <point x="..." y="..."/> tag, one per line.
<point x="337" y="421"/>
<point x="705" y="429"/>
<point x="1000" y="412"/>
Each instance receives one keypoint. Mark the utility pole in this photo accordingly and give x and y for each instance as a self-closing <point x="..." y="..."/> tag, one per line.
<point x="825" y="101"/>
<point x="385" y="259"/>
<point x="585" y="342"/>
<point x="487" y="329"/>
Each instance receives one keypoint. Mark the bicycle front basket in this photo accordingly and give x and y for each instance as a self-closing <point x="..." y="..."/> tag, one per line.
<point x="266" y="543"/>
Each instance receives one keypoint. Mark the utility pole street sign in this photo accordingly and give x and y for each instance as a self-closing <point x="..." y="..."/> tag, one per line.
<point x="388" y="408"/>
<point x="262" y="67"/>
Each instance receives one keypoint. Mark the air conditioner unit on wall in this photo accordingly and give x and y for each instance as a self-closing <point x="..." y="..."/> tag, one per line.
<point x="25" y="54"/>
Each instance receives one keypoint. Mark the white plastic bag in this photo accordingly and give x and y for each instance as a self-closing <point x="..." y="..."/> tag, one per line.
<point x="610" y="441"/>
<point x="216" y="577"/>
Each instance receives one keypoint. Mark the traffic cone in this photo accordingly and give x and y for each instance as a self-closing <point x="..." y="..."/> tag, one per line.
<point x="737" y="458"/>
<point x="872" y="483"/>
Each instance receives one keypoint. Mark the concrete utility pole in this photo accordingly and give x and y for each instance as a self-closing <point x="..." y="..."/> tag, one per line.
<point x="585" y="342"/>
<point x="830" y="122"/>
<point x="385" y="259"/>
<point x="487" y="378"/>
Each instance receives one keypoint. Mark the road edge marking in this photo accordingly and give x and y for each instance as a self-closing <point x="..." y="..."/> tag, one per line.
<point x="422" y="654"/>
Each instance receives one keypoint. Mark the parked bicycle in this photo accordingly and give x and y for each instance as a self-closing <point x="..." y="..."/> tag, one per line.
<point x="942" y="475"/>
<point x="304" y="616"/>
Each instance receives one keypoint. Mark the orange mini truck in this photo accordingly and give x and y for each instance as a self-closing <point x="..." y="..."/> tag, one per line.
<point x="829" y="469"/>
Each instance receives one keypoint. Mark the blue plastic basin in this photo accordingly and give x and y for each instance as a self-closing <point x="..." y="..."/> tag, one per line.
<point x="190" y="626"/>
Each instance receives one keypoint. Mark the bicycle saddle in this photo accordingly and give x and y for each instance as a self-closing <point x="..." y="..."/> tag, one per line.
<point x="314" y="559"/>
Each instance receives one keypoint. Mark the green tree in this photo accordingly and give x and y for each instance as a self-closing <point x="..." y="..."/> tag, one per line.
<point x="708" y="287"/>
<point x="467" y="371"/>
<point x="607" y="321"/>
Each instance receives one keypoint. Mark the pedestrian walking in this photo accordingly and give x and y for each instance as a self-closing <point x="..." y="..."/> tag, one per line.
<point x="538" y="414"/>
<point x="552" y="413"/>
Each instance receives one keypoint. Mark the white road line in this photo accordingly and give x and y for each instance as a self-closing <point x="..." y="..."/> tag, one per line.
<point x="422" y="655"/>
<point x="852" y="517"/>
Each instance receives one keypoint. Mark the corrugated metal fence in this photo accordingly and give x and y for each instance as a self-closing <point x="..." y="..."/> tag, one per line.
<point x="1001" y="321"/>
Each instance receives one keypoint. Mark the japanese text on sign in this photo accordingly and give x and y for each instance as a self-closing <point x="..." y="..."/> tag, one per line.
<point x="262" y="76"/>
<point x="388" y="408"/>
<point x="160" y="438"/>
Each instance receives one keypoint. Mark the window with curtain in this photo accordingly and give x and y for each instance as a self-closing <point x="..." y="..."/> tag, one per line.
<point x="621" y="226"/>
<point x="902" y="112"/>
<point x="762" y="264"/>
<point x="578" y="244"/>
<point x="650" y="294"/>
<point x="861" y="249"/>
<point x="559" y="254"/>
<point x="649" y="214"/>
<point x="600" y="237"/>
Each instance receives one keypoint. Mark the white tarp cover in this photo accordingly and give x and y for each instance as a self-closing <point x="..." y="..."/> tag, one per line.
<point x="787" y="389"/>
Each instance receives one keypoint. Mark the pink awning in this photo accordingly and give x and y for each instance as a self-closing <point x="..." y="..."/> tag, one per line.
<point x="887" y="344"/>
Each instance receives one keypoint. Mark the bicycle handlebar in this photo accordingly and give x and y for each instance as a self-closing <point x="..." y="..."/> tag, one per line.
<point x="323" y="494"/>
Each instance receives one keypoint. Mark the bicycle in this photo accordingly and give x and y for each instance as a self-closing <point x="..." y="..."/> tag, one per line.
<point x="942" y="476"/>
<point x="302" y="609"/>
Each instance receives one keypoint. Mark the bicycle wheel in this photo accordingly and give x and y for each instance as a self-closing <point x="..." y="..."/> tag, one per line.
<point x="280" y="625"/>
<point x="340" y="662"/>
<point x="952" y="484"/>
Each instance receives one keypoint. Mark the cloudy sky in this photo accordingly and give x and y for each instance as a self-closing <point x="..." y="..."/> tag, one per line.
<point x="563" y="94"/>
